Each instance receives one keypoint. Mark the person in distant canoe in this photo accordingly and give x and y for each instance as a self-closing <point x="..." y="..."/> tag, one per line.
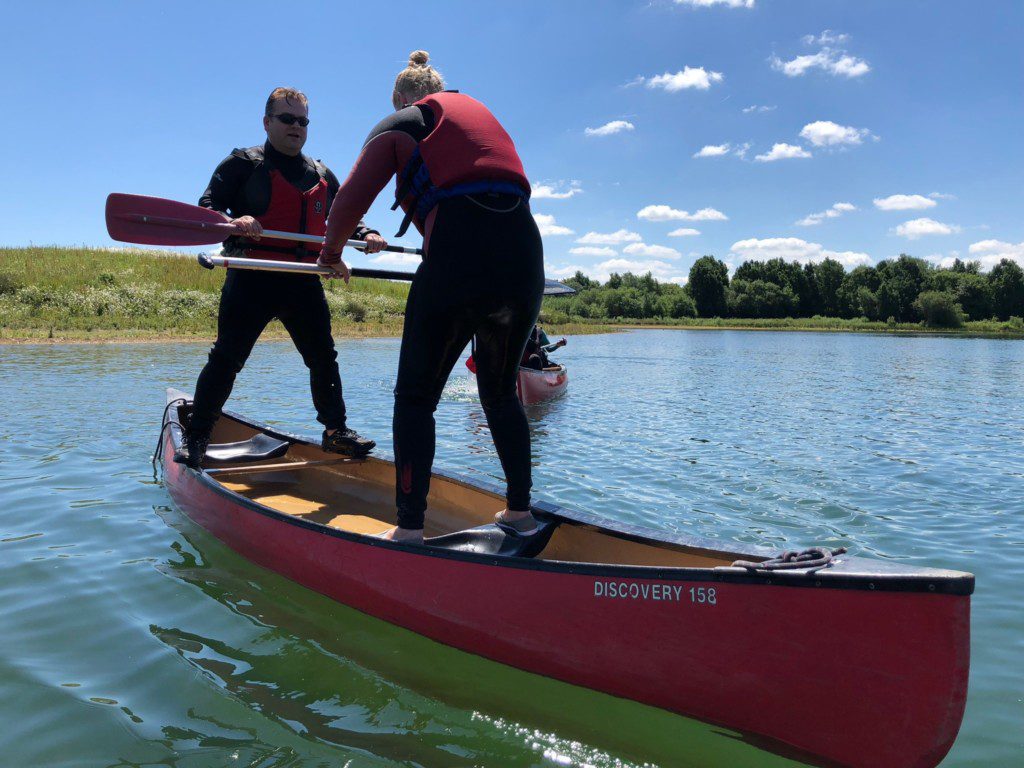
<point x="461" y="182"/>
<point x="538" y="346"/>
<point x="275" y="187"/>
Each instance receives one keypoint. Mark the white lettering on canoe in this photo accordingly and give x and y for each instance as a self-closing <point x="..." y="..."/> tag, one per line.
<point x="631" y="590"/>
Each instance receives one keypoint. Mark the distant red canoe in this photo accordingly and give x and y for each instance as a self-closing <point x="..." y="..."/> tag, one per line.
<point x="858" y="663"/>
<point x="539" y="386"/>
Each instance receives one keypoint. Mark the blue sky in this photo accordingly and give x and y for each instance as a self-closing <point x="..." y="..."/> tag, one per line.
<point x="878" y="126"/>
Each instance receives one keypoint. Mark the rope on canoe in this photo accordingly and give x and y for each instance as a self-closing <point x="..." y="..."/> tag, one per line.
<point x="166" y="422"/>
<point x="815" y="557"/>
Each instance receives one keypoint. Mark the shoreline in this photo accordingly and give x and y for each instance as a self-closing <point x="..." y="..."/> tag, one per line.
<point x="27" y="336"/>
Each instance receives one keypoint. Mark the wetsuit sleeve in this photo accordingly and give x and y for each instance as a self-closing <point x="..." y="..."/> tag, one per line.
<point x="225" y="184"/>
<point x="361" y="230"/>
<point x="382" y="157"/>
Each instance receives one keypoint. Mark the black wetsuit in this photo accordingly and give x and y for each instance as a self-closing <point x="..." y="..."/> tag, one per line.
<point x="482" y="275"/>
<point x="251" y="300"/>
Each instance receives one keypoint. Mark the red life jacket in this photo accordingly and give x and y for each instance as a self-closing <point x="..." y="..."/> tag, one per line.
<point x="468" y="152"/>
<point x="289" y="210"/>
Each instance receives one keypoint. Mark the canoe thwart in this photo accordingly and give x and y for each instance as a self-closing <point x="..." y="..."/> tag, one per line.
<point x="259" y="447"/>
<point x="284" y="466"/>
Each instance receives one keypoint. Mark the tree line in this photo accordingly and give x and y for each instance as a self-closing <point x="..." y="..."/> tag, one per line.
<point x="902" y="290"/>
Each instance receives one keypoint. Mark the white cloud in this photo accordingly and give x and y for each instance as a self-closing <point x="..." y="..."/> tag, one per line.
<point x="666" y="213"/>
<point x="609" y="129"/>
<point x="713" y="150"/>
<point x="758" y="109"/>
<point x="651" y="251"/>
<point x="916" y="228"/>
<point x="828" y="37"/>
<point x="684" y="232"/>
<point x="611" y="238"/>
<point x="903" y="203"/>
<point x="837" y="63"/>
<point x="782" y="152"/>
<point x="687" y="77"/>
<point x="942" y="196"/>
<point x="834" y="212"/>
<point x="548" y="227"/>
<point x="397" y="259"/>
<point x="741" y="150"/>
<point x="594" y="250"/>
<point x="794" y="249"/>
<point x="568" y="271"/>
<point x="559" y="190"/>
<point x="991" y="252"/>
<point x="709" y="3"/>
<point x="825" y="133"/>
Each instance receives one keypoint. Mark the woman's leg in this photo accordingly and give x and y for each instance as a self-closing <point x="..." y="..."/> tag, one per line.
<point x="437" y="329"/>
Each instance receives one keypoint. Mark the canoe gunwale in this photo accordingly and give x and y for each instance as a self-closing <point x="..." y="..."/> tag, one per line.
<point x="884" y="578"/>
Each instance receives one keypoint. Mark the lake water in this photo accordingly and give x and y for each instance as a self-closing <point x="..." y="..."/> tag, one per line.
<point x="128" y="636"/>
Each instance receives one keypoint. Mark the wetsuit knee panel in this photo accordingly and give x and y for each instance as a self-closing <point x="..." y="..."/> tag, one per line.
<point x="226" y="359"/>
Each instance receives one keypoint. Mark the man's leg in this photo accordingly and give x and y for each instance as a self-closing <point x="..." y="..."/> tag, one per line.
<point x="307" y="318"/>
<point x="242" y="316"/>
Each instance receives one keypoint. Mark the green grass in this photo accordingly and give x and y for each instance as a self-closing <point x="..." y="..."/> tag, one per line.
<point x="86" y="293"/>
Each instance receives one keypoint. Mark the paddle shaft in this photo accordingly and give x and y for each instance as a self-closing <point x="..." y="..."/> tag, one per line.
<point x="551" y="287"/>
<point x="227" y="230"/>
<point x="265" y="265"/>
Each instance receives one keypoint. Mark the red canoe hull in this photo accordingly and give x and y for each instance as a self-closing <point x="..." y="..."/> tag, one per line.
<point x="539" y="386"/>
<point x="835" y="676"/>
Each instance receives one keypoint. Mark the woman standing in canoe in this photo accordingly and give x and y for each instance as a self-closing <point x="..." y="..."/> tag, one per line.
<point x="461" y="182"/>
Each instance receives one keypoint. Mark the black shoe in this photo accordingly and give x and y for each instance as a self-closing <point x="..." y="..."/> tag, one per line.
<point x="192" y="451"/>
<point x="347" y="442"/>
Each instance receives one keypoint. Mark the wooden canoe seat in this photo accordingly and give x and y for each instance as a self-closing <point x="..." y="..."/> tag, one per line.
<point x="259" y="447"/>
<point x="492" y="540"/>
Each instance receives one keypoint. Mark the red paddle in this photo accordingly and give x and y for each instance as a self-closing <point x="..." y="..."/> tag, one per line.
<point x="156" y="221"/>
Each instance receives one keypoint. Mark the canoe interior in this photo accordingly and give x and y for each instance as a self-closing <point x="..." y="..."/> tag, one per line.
<point x="359" y="497"/>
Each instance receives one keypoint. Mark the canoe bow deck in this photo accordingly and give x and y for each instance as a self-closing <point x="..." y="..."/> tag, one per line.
<point x="862" y="663"/>
<point x="534" y="386"/>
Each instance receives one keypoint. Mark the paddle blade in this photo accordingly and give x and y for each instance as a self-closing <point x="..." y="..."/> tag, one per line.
<point x="555" y="288"/>
<point x="155" y="221"/>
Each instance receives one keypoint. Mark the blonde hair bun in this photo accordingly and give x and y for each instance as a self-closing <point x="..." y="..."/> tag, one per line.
<point x="416" y="81"/>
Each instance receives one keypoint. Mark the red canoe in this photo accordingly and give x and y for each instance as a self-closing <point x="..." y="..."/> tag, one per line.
<point x="859" y="663"/>
<point x="539" y="386"/>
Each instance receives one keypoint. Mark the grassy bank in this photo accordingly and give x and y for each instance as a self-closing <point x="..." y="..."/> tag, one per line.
<point x="85" y="294"/>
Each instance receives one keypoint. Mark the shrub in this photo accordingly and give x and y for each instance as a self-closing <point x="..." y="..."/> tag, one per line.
<point x="939" y="309"/>
<point x="8" y="283"/>
<point x="553" y="317"/>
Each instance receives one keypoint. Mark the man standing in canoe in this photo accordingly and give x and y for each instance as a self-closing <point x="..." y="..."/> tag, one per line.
<point x="461" y="182"/>
<point x="275" y="187"/>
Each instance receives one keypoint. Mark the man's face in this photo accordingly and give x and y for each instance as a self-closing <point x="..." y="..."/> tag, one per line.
<point x="283" y="137"/>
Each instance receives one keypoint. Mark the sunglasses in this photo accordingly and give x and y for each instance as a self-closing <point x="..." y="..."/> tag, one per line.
<point x="289" y="119"/>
